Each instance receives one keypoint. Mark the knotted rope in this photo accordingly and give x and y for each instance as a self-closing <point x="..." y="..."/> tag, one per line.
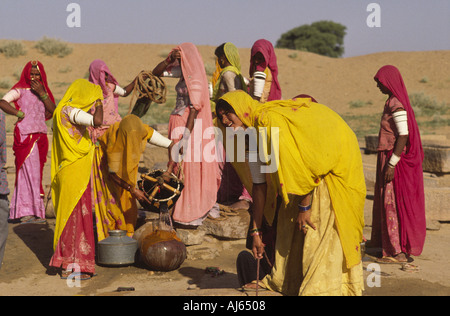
<point x="148" y="86"/>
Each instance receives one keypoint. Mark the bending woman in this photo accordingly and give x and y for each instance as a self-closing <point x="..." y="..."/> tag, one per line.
<point x="187" y="125"/>
<point x="398" y="224"/>
<point x="316" y="168"/>
<point x="72" y="158"/>
<point x="34" y="104"/>
<point x="116" y="164"/>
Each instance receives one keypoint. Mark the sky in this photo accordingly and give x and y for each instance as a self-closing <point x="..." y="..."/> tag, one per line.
<point x="404" y="25"/>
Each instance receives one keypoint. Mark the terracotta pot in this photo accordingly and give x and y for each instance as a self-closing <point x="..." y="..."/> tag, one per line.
<point x="162" y="251"/>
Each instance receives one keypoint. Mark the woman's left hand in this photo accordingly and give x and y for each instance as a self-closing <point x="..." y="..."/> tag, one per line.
<point x="389" y="173"/>
<point x="304" y="220"/>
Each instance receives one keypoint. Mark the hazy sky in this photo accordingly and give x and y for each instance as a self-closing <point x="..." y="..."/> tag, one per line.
<point x="406" y="25"/>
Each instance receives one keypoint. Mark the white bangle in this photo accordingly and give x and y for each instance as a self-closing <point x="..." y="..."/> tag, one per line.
<point x="394" y="160"/>
<point x="119" y="91"/>
<point x="401" y="122"/>
<point x="258" y="83"/>
<point x="159" y="140"/>
<point x="79" y="117"/>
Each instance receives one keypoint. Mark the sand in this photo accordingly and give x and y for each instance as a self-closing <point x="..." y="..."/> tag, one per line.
<point x="334" y="82"/>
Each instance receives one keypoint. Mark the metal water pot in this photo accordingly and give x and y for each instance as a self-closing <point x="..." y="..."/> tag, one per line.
<point x="118" y="249"/>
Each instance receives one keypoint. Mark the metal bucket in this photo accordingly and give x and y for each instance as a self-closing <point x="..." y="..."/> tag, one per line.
<point x="118" y="249"/>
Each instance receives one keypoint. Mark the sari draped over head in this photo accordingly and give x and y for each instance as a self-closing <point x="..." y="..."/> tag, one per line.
<point x="25" y="81"/>
<point x="123" y="144"/>
<point x="266" y="49"/>
<point x="408" y="178"/>
<point x="71" y="160"/>
<point x="314" y="143"/>
<point x="202" y="178"/>
<point x="97" y="75"/>
<point x="232" y="55"/>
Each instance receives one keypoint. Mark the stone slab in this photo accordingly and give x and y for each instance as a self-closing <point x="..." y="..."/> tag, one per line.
<point x="436" y="152"/>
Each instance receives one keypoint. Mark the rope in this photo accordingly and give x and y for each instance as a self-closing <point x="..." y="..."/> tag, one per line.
<point x="150" y="86"/>
<point x="257" y="275"/>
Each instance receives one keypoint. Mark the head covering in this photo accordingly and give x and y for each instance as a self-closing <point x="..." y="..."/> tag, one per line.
<point x="125" y="145"/>
<point x="408" y="178"/>
<point x="232" y="54"/>
<point x="270" y="60"/>
<point x="313" y="143"/>
<point x="194" y="75"/>
<point x="97" y="75"/>
<point x="71" y="160"/>
<point x="25" y="81"/>
<point x="391" y="78"/>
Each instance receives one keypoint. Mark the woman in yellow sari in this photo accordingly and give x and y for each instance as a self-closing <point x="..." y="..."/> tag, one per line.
<point x="316" y="170"/>
<point x="228" y="76"/>
<point x="116" y="162"/>
<point x="71" y="165"/>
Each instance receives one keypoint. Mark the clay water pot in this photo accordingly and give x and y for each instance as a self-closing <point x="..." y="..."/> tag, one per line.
<point x="162" y="251"/>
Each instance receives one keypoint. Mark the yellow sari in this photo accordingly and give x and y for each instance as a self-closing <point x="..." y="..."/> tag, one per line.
<point x="118" y="150"/>
<point x="71" y="162"/>
<point x="316" y="148"/>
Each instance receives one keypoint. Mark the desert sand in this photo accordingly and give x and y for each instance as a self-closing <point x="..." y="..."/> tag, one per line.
<point x="334" y="82"/>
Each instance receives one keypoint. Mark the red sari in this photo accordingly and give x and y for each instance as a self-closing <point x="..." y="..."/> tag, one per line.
<point x="77" y="242"/>
<point x="406" y="202"/>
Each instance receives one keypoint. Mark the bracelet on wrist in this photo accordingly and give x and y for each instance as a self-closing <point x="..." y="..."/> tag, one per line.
<point x="393" y="160"/>
<point x="302" y="208"/>
<point x="20" y="114"/>
<point x="256" y="234"/>
<point x="98" y="103"/>
<point x="43" y="97"/>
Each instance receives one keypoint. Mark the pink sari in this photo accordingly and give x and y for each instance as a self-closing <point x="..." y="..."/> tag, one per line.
<point x="30" y="146"/>
<point x="201" y="178"/>
<point x="97" y="75"/>
<point x="407" y="185"/>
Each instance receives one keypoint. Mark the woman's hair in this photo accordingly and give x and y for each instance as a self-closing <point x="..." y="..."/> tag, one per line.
<point x="225" y="106"/>
<point x="220" y="50"/>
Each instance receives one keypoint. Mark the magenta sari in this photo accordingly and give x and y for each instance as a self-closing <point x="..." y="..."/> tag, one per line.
<point x="266" y="49"/>
<point x="407" y="185"/>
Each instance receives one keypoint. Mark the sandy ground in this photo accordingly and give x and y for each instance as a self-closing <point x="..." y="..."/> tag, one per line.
<point x="25" y="269"/>
<point x="334" y="82"/>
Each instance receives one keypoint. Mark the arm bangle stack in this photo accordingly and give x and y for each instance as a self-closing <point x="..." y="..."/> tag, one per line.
<point x="44" y="97"/>
<point x="302" y="208"/>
